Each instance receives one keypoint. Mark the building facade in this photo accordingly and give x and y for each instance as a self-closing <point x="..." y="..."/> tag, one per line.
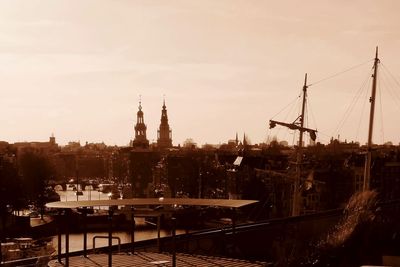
<point x="140" y="140"/>
<point x="164" y="134"/>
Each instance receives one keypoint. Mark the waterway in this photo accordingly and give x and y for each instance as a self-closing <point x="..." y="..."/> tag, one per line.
<point x="70" y="195"/>
<point x="76" y="240"/>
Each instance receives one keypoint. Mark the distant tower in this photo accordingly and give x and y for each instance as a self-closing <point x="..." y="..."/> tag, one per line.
<point x="244" y="140"/>
<point x="237" y="139"/>
<point x="164" y="134"/>
<point x="140" y="130"/>
<point x="52" y="140"/>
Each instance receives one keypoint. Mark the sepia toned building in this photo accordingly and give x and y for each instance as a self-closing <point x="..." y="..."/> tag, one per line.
<point x="140" y="140"/>
<point x="164" y="134"/>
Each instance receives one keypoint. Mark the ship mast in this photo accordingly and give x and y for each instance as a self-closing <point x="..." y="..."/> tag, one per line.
<point x="367" y="167"/>
<point x="298" y="124"/>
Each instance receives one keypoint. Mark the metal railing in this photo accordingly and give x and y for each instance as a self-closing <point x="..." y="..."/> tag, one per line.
<point x="106" y="237"/>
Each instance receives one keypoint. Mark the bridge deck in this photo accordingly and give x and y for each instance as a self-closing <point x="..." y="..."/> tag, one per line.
<point x="148" y="259"/>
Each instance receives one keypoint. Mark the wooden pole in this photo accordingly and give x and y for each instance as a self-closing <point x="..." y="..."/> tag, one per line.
<point x="367" y="168"/>
<point x="296" y="194"/>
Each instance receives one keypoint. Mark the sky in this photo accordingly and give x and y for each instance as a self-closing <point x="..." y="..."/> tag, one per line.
<point x="76" y="69"/>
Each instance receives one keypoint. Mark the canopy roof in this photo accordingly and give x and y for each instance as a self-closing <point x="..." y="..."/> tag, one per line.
<point x="225" y="203"/>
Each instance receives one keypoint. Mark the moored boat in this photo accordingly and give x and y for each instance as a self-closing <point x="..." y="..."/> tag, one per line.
<point x="16" y="249"/>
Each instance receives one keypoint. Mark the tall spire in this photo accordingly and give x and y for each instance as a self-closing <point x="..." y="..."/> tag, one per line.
<point x="140" y="129"/>
<point x="164" y="134"/>
<point x="237" y="139"/>
<point x="164" y="102"/>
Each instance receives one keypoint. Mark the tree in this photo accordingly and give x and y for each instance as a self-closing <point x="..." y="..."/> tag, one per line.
<point x="10" y="191"/>
<point x="189" y="143"/>
<point x="36" y="171"/>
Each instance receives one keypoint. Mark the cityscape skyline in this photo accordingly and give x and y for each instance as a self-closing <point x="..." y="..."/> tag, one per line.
<point x="226" y="67"/>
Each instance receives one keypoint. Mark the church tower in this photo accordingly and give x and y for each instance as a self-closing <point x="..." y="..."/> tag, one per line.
<point x="140" y="130"/>
<point x="164" y="135"/>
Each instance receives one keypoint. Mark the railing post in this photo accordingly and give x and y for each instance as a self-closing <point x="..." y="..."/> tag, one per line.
<point x="106" y="237"/>
<point x="173" y="242"/>
<point x="67" y="218"/>
<point x="223" y="240"/>
<point x="158" y="232"/>
<point x="234" y="241"/>
<point x="84" y="233"/>
<point x="59" y="230"/>
<point x="233" y="222"/>
<point x="110" y="217"/>
<point x="2" y="233"/>
<point x="187" y="237"/>
<point x="133" y="230"/>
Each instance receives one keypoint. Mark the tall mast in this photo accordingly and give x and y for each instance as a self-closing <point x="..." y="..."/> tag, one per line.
<point x="296" y="193"/>
<point x="298" y="126"/>
<point x="367" y="168"/>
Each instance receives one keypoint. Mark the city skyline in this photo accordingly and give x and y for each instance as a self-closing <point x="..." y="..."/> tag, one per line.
<point x="77" y="69"/>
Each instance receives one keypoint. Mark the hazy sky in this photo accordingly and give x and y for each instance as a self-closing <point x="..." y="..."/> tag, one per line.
<point x="77" y="68"/>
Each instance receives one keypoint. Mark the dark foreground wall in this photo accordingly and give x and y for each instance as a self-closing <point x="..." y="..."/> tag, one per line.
<point x="332" y="238"/>
<point x="269" y="241"/>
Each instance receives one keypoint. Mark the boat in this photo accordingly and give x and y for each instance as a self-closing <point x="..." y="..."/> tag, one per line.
<point x="299" y="183"/>
<point x="367" y="228"/>
<point x="107" y="188"/>
<point x="20" y="251"/>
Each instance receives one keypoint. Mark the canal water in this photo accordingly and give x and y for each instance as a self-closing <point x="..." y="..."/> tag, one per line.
<point x="76" y="240"/>
<point x="70" y="195"/>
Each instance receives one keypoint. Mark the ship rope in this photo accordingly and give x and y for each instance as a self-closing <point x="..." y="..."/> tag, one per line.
<point x="340" y="73"/>
<point x="288" y="105"/>
<point x="362" y="117"/>
<point x="361" y="93"/>
<point x="310" y="110"/>
<point x="389" y="82"/>
<point x="352" y="105"/>
<point x="381" y="111"/>
<point x="390" y="85"/>
<point x="291" y="111"/>
<point x="391" y="75"/>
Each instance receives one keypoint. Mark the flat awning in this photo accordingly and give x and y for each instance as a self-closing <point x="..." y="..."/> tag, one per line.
<point x="225" y="203"/>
